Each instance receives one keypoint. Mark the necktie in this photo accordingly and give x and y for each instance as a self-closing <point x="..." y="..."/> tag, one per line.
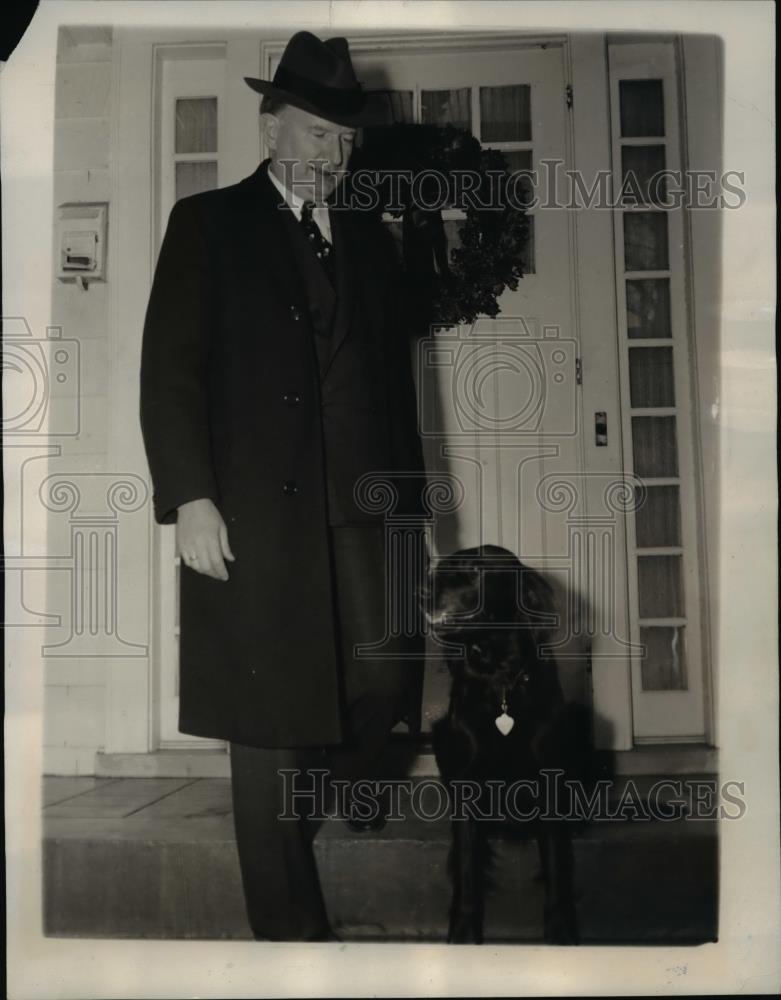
<point x="320" y="245"/>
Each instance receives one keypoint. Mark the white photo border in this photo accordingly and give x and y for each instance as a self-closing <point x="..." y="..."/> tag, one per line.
<point x="746" y="957"/>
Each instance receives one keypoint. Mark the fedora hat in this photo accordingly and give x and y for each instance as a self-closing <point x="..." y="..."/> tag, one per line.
<point x="318" y="76"/>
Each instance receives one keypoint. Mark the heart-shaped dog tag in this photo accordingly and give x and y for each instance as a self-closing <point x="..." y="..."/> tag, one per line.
<point x="504" y="723"/>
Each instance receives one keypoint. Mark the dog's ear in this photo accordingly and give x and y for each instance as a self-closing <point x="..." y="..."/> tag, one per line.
<point x="478" y="655"/>
<point x="535" y="591"/>
<point x="538" y="602"/>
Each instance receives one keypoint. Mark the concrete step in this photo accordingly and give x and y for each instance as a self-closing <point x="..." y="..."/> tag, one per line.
<point x="416" y="755"/>
<point x="156" y="858"/>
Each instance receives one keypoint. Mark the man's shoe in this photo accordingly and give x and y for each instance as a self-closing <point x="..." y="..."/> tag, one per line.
<point x="359" y="825"/>
<point x="365" y="825"/>
<point x="330" y="935"/>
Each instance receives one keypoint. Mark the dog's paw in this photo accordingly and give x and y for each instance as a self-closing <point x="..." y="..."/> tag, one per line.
<point x="561" y="925"/>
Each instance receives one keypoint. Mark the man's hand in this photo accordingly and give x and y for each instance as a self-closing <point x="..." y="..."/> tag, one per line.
<point x="202" y="538"/>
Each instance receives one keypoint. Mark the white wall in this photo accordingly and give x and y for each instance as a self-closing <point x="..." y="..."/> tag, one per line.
<point x="74" y="718"/>
<point x="704" y="97"/>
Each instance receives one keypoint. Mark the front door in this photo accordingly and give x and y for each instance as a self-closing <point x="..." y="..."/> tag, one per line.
<point x="499" y="399"/>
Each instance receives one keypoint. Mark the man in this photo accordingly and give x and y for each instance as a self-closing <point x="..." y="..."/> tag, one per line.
<point x="275" y="375"/>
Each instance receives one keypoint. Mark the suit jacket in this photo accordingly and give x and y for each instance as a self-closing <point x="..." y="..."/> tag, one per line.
<point x="265" y="393"/>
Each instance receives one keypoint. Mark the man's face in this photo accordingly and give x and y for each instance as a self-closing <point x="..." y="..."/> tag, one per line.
<point x="319" y="151"/>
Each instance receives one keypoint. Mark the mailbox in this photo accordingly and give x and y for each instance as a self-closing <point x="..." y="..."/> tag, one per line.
<point x="81" y="242"/>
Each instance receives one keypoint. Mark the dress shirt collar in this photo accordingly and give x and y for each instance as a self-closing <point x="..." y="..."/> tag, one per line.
<point x="319" y="214"/>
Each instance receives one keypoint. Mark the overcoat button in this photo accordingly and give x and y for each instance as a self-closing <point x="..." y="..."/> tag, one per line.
<point x="295" y="313"/>
<point x="291" y="398"/>
<point x="290" y="488"/>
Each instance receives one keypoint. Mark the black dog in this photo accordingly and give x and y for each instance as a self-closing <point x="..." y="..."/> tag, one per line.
<point x="506" y="722"/>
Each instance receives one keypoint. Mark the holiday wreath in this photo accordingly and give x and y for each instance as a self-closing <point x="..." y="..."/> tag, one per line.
<point x="414" y="172"/>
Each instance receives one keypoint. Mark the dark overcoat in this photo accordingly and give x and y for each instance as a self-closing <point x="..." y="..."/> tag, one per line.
<point x="231" y="391"/>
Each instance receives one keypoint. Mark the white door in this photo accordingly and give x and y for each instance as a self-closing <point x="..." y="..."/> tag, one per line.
<point x="500" y="402"/>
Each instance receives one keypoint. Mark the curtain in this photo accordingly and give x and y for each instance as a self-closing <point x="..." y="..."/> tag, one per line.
<point x="192" y="178"/>
<point x="196" y="125"/>
<point x="648" y="307"/>
<point x="447" y="107"/>
<point x="658" y="519"/>
<point x="660" y="586"/>
<point x="641" y="105"/>
<point x="654" y="446"/>
<point x="663" y="668"/>
<point x="645" y="241"/>
<point x="651" y="376"/>
<point x="505" y="113"/>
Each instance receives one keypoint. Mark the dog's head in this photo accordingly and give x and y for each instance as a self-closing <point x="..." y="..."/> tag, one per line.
<point x="487" y="600"/>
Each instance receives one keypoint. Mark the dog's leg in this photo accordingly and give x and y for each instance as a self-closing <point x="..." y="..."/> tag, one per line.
<point x="555" y="843"/>
<point x="467" y="871"/>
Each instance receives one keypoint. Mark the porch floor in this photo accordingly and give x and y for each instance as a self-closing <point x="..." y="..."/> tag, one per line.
<point x="156" y="858"/>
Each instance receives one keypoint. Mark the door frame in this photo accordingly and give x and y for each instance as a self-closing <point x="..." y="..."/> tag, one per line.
<point x="132" y="709"/>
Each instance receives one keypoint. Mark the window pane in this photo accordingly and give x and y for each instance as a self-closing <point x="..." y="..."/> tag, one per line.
<point x="658" y="519"/>
<point x="654" y="446"/>
<point x="642" y="107"/>
<point x="651" y="376"/>
<point x="645" y="241"/>
<point x="393" y="106"/>
<point x="196" y="125"/>
<point x="520" y="161"/>
<point x="447" y="107"/>
<point x="648" y="307"/>
<point x="644" y="163"/>
<point x="659" y="583"/>
<point x="663" y="668"/>
<point x="528" y="258"/>
<point x="192" y="178"/>
<point x="505" y="113"/>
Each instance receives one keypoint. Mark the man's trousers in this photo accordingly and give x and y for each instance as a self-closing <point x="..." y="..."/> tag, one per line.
<point x="281" y="884"/>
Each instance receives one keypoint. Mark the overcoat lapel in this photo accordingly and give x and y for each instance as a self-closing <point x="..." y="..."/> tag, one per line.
<point x="267" y="239"/>
<point x="276" y="246"/>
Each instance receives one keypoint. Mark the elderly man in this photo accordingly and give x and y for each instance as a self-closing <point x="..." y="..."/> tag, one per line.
<point x="276" y="376"/>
